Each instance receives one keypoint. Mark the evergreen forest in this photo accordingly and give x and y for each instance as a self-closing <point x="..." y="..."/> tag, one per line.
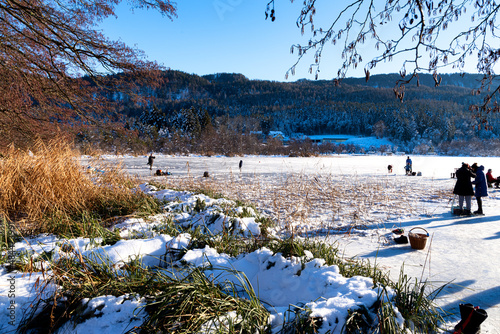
<point x="230" y="114"/>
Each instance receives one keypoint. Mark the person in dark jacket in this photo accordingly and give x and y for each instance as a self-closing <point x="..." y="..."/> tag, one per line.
<point x="150" y="161"/>
<point x="463" y="187"/>
<point x="481" y="187"/>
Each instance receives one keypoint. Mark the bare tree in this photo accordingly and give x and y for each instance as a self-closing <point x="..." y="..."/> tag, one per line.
<point x="52" y="59"/>
<point x="427" y="35"/>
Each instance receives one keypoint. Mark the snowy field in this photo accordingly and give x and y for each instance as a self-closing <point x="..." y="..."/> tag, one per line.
<point x="349" y="200"/>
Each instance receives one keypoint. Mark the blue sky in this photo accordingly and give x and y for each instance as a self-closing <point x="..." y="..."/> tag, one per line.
<point x="213" y="36"/>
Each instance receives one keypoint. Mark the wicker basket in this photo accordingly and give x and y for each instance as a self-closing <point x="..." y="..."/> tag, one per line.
<point x="418" y="240"/>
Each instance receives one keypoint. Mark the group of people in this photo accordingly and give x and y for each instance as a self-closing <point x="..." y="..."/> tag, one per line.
<point x="408" y="167"/>
<point x="158" y="172"/>
<point x="151" y="159"/>
<point x="465" y="190"/>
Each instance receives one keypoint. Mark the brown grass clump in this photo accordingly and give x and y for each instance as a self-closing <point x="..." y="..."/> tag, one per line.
<point x="48" y="181"/>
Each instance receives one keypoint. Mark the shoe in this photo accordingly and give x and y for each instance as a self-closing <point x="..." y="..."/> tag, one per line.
<point x="479" y="213"/>
<point x="477" y="317"/>
<point x="466" y="212"/>
<point x="401" y="240"/>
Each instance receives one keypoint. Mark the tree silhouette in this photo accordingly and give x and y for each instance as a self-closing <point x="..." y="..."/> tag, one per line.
<point x="427" y="35"/>
<point x="52" y="59"/>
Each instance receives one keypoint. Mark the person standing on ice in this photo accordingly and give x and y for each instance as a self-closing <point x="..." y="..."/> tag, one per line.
<point x="240" y="165"/>
<point x="481" y="187"/>
<point x="150" y="161"/>
<point x="408" y="166"/>
<point x="463" y="187"/>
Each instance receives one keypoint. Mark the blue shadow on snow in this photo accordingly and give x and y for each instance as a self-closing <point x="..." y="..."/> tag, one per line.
<point x="455" y="287"/>
<point x="485" y="299"/>
<point x="496" y="236"/>
<point x="471" y="220"/>
<point x="390" y="251"/>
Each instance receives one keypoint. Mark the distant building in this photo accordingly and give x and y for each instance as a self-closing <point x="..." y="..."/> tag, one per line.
<point x="278" y="135"/>
<point x="273" y="134"/>
<point x="321" y="139"/>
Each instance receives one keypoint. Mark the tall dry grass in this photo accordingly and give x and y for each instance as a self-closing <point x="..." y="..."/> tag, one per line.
<point x="48" y="181"/>
<point x="322" y="203"/>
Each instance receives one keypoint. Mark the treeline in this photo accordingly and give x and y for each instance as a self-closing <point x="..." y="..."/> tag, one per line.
<point x="224" y="141"/>
<point x="191" y="109"/>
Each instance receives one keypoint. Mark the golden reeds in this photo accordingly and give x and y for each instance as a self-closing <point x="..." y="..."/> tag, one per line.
<point x="49" y="180"/>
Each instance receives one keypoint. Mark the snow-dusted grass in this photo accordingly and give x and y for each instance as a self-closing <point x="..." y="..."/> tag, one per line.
<point x="177" y="270"/>
<point x="460" y="250"/>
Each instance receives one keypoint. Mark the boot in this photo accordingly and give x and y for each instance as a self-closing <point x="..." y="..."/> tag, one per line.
<point x="472" y="318"/>
<point x="465" y="312"/>
<point x="479" y="207"/>
<point x="477" y="318"/>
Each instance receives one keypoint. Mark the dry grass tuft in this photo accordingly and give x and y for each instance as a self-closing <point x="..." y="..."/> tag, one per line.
<point x="49" y="181"/>
<point x="322" y="203"/>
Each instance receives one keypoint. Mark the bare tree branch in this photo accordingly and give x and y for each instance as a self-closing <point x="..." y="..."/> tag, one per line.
<point x="52" y="59"/>
<point x="416" y="37"/>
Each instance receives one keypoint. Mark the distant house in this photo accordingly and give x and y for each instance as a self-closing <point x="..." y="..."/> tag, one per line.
<point x="321" y="139"/>
<point x="278" y="135"/>
<point x="273" y="134"/>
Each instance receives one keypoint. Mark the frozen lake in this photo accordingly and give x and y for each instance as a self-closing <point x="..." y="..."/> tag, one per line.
<point x="363" y="165"/>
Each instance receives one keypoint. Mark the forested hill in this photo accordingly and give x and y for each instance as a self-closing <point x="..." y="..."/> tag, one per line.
<point x="426" y="114"/>
<point x="234" y="93"/>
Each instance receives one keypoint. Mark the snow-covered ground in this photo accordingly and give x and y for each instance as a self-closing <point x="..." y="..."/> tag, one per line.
<point x="462" y="251"/>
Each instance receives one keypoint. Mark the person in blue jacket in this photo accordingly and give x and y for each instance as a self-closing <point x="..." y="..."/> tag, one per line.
<point x="408" y="166"/>
<point x="481" y="187"/>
